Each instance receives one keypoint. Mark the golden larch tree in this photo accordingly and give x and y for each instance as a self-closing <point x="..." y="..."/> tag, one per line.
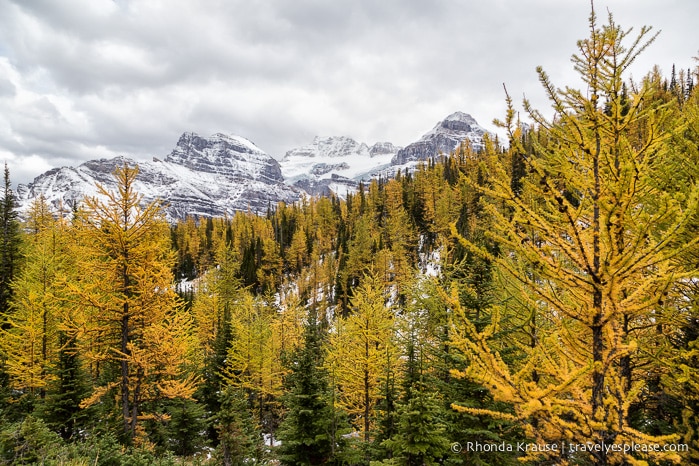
<point x="30" y="341"/>
<point x="362" y="352"/>
<point x="588" y="243"/>
<point x="126" y="311"/>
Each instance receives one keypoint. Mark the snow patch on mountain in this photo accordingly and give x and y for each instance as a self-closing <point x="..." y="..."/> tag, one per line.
<point x="335" y="164"/>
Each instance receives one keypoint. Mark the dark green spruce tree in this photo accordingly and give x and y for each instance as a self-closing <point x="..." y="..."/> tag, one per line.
<point x="420" y="433"/>
<point x="239" y="437"/>
<point x="61" y="409"/>
<point x="210" y="390"/>
<point x="9" y="256"/>
<point x="310" y="432"/>
<point x="9" y="248"/>
<point x="187" y="421"/>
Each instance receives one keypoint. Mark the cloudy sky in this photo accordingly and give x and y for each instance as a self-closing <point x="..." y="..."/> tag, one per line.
<point x="85" y="79"/>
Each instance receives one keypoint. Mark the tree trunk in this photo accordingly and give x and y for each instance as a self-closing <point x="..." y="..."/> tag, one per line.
<point x="125" y="368"/>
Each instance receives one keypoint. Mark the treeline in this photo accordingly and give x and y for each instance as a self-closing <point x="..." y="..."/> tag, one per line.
<point x="540" y="293"/>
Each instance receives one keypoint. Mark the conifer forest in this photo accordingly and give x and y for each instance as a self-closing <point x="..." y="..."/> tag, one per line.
<point x="535" y="302"/>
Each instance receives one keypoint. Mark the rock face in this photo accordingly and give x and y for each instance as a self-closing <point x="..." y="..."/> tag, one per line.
<point x="201" y="177"/>
<point x="383" y="148"/>
<point x="443" y="138"/>
<point x="222" y="174"/>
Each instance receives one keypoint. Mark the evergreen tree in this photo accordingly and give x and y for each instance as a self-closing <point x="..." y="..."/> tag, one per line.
<point x="61" y="410"/>
<point x="310" y="432"/>
<point x="9" y="245"/>
<point x="240" y="441"/>
<point x="421" y="432"/>
<point x="214" y="363"/>
<point x="185" y="427"/>
<point x="27" y="442"/>
<point x="9" y="255"/>
<point x="386" y="415"/>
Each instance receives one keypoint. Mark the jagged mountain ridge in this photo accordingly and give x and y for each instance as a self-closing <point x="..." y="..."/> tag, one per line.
<point x="338" y="164"/>
<point x="222" y="174"/>
<point x="202" y="177"/>
<point x="227" y="155"/>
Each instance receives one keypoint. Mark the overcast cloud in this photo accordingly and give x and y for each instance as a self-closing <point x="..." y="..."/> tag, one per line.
<point x="85" y="79"/>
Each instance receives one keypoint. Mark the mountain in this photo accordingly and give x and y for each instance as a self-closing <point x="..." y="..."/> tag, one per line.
<point x="212" y="176"/>
<point x="335" y="164"/>
<point x="222" y="174"/>
<point x="443" y="138"/>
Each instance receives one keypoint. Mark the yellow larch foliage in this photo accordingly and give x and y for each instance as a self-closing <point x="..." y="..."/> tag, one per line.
<point x="362" y="351"/>
<point x="30" y="341"/>
<point x="587" y="248"/>
<point x="253" y="361"/>
<point x="125" y="311"/>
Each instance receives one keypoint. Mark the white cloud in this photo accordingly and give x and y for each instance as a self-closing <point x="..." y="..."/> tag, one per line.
<point x="81" y="79"/>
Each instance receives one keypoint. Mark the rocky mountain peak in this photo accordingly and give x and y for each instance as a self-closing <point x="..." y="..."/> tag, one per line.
<point x="382" y="148"/>
<point x="457" y="122"/>
<point x="201" y="177"/>
<point x="443" y="138"/>
<point x="226" y="155"/>
<point x="192" y="143"/>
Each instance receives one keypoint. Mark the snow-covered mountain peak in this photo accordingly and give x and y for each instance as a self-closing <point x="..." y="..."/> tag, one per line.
<point x="224" y="154"/>
<point x="458" y="126"/>
<point x="443" y="138"/>
<point x="329" y="147"/>
<point x="193" y="141"/>
<point x="335" y="164"/>
<point x="212" y="176"/>
<point x="457" y="123"/>
<point x="461" y="116"/>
